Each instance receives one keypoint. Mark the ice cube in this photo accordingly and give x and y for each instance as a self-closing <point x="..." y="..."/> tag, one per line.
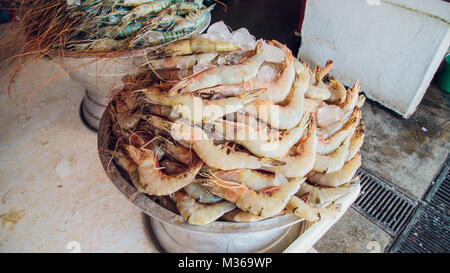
<point x="266" y="73"/>
<point x="244" y="39"/>
<point x="219" y="31"/>
<point x="272" y="53"/>
<point x="329" y="114"/>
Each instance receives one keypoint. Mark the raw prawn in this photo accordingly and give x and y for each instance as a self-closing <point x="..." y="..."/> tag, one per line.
<point x="217" y="156"/>
<point x="196" y="191"/>
<point x="227" y="74"/>
<point x="337" y="91"/>
<point x="253" y="179"/>
<point x="302" y="162"/>
<point x="356" y="141"/>
<point x="133" y="3"/>
<point x="310" y="213"/>
<point x="333" y="161"/>
<point x="196" y="109"/>
<point x="238" y="215"/>
<point x="195" y="45"/>
<point x="179" y="152"/>
<point x="351" y="99"/>
<point x="170" y="167"/>
<point x="337" y="178"/>
<point x="180" y="62"/>
<point x="152" y="38"/>
<point x="260" y="204"/>
<point x="317" y="89"/>
<point x="326" y="146"/>
<point x="130" y="167"/>
<point x="193" y="20"/>
<point x="260" y="146"/>
<point x="145" y="9"/>
<point x="283" y="117"/>
<point x="276" y="91"/>
<point x="153" y="179"/>
<point x="323" y="195"/>
<point x="200" y="214"/>
<point x="183" y="8"/>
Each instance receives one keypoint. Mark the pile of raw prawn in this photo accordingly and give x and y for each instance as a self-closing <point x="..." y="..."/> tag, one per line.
<point x="110" y="25"/>
<point x="260" y="147"/>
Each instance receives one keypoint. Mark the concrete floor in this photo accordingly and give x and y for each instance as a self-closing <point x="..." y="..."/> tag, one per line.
<point x="408" y="153"/>
<point x="353" y="233"/>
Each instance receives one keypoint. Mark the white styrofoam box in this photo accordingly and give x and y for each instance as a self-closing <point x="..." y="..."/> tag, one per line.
<point x="394" y="47"/>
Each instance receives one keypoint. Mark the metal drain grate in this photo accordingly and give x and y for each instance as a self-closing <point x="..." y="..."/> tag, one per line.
<point x="439" y="195"/>
<point x="428" y="231"/>
<point x="383" y="204"/>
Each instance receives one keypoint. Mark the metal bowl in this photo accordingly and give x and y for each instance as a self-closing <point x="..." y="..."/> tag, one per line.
<point x="175" y="235"/>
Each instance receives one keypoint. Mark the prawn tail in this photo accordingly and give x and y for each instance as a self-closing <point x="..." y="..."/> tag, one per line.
<point x="196" y="165"/>
<point x="355" y="180"/>
<point x="329" y="213"/>
<point x="135" y="154"/>
<point x="210" y="8"/>
<point x="271" y="162"/>
<point x="252" y="95"/>
<point x="288" y="58"/>
<point x="258" y="47"/>
<point x="361" y="100"/>
<point x="138" y="155"/>
<point x="321" y="73"/>
<point x="356" y="87"/>
<point x="360" y="130"/>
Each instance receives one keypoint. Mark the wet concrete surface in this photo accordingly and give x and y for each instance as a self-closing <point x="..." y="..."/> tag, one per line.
<point x="408" y="153"/>
<point x="353" y="233"/>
